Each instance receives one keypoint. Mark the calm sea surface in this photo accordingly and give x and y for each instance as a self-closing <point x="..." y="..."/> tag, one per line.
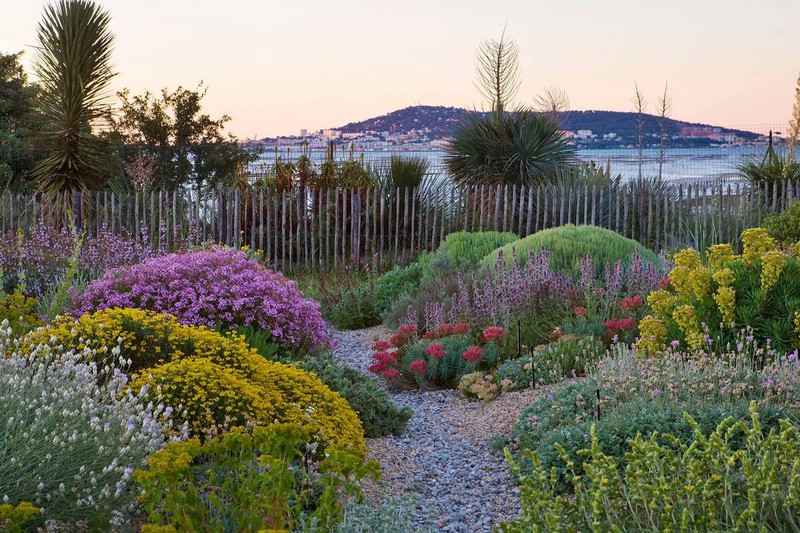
<point x="679" y="163"/>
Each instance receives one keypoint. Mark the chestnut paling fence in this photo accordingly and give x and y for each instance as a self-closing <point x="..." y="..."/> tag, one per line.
<point x="330" y="228"/>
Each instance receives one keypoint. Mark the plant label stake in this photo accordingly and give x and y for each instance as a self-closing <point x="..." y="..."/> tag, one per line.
<point x="533" y="370"/>
<point x="597" y="394"/>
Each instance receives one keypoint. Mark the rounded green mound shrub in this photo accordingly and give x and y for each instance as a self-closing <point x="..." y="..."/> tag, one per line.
<point x="433" y="274"/>
<point x="569" y="244"/>
<point x="785" y="226"/>
<point x="469" y="248"/>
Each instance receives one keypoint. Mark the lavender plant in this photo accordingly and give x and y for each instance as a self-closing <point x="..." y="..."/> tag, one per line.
<point x="40" y="257"/>
<point x="497" y="296"/>
<point x="73" y="434"/>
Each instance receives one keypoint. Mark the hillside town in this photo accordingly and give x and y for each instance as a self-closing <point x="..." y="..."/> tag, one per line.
<point x="430" y="128"/>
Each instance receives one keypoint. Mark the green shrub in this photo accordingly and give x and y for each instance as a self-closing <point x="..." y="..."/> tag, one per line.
<point x="568" y="357"/>
<point x="347" y="297"/>
<point x="354" y="308"/>
<point x="647" y="395"/>
<point x="569" y="244"/>
<point x="514" y="374"/>
<point x="741" y="477"/>
<point x="251" y="480"/>
<point x="398" y="282"/>
<point x="618" y="427"/>
<point x="20" y="311"/>
<point x="785" y="226"/>
<point x="378" y="413"/>
<point x="467" y="249"/>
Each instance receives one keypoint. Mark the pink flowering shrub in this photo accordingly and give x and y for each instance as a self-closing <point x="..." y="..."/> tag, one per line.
<point x="215" y="288"/>
<point x="440" y="358"/>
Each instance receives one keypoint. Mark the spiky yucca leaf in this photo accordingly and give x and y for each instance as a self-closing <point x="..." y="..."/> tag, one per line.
<point x="73" y="63"/>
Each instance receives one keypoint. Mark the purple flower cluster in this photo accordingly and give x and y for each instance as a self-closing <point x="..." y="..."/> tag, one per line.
<point x="214" y="287"/>
<point x="495" y="295"/>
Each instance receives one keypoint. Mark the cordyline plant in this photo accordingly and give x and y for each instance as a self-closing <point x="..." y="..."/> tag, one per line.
<point x="73" y="62"/>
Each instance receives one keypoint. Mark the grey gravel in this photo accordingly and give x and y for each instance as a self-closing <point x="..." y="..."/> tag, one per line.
<point x="444" y="457"/>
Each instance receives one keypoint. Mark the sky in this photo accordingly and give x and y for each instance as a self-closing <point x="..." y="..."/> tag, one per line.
<point x="277" y="66"/>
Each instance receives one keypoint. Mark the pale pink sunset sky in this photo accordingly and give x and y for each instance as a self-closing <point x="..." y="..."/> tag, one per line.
<point x="278" y="66"/>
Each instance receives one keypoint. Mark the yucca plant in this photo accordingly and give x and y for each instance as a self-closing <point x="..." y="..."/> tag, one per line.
<point x="511" y="148"/>
<point x="73" y="63"/>
<point x="502" y="147"/>
<point x="773" y="167"/>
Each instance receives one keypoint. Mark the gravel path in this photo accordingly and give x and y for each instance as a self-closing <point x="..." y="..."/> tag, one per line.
<point x="444" y="456"/>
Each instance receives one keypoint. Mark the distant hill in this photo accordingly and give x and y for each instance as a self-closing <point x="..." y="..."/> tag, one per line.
<point x="441" y="122"/>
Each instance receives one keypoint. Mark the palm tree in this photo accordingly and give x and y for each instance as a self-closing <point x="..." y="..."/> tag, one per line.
<point x="73" y="65"/>
<point x="505" y="147"/>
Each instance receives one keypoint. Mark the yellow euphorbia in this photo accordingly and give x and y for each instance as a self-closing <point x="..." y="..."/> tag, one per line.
<point x="724" y="277"/>
<point x="719" y="255"/>
<point x="771" y="267"/>
<point x="755" y="243"/>
<point x="662" y="303"/>
<point x="652" y="336"/>
<point x="725" y="298"/>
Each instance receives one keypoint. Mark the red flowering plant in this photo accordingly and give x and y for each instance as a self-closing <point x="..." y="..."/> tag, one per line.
<point x="621" y="329"/>
<point x="439" y="358"/>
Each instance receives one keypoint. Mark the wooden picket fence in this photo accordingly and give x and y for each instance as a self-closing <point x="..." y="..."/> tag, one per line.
<point x="331" y="228"/>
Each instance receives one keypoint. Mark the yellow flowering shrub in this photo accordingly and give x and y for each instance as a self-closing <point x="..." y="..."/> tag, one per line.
<point x="652" y="336"/>
<point x="724" y="277"/>
<point x="688" y="258"/>
<point x="759" y="289"/>
<point x="13" y="518"/>
<point x="261" y="479"/>
<point x="686" y="319"/>
<point x="719" y="255"/>
<point x="146" y="338"/>
<point x="725" y="297"/>
<point x="662" y="302"/>
<point x="755" y="243"/>
<point x="797" y="323"/>
<point x="173" y="355"/>
<point x="700" y="279"/>
<point x="682" y="277"/>
<point x="771" y="268"/>
<point x="208" y="396"/>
